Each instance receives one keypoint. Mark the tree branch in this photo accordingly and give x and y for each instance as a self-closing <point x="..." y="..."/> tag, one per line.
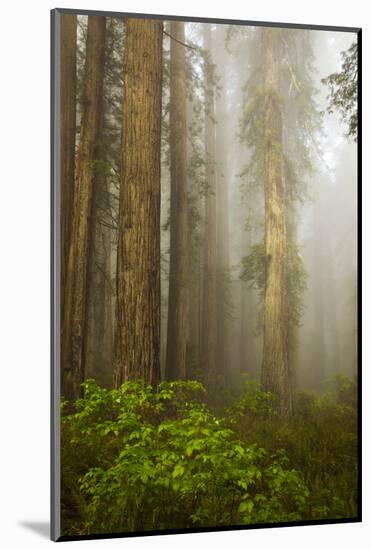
<point x="182" y="43"/>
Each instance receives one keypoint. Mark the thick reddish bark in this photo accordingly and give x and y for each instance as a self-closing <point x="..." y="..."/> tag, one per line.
<point x="74" y="325"/>
<point x="137" y="339"/>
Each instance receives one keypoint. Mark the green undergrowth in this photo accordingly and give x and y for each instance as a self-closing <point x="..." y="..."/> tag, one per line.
<point x="137" y="459"/>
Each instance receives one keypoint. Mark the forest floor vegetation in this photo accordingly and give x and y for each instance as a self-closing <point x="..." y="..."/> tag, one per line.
<point x="183" y="456"/>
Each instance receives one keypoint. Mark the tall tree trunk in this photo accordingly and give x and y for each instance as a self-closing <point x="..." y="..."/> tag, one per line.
<point x="177" y="328"/>
<point x="275" y="367"/>
<point x="74" y="326"/>
<point x="99" y="361"/>
<point x="194" y="329"/>
<point x="137" y="339"/>
<point x="68" y="133"/>
<point x="222" y="180"/>
<point x="244" y="342"/>
<point x="209" y="322"/>
<point x="195" y="270"/>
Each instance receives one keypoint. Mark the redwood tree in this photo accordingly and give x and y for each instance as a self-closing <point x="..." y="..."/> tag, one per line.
<point x="209" y="312"/>
<point x="177" y="331"/>
<point x="68" y="132"/>
<point x="137" y="338"/>
<point x="222" y="183"/>
<point x="74" y="324"/>
<point x="275" y="367"/>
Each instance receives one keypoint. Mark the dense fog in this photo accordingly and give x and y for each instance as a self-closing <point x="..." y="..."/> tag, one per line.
<point x="214" y="118"/>
<point x="325" y="215"/>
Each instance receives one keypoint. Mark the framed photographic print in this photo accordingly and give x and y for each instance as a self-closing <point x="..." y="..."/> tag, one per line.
<point x="205" y="278"/>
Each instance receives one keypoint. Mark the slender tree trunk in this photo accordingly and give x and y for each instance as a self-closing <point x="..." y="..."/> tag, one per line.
<point x="99" y="361"/>
<point x="177" y="330"/>
<point x="222" y="180"/>
<point x="68" y="133"/>
<point x="195" y="251"/>
<point x="137" y="339"/>
<point x="319" y="352"/>
<point x="293" y="328"/>
<point x="194" y="309"/>
<point x="74" y="326"/>
<point x="275" y="368"/>
<point x="244" y="343"/>
<point x="209" y="323"/>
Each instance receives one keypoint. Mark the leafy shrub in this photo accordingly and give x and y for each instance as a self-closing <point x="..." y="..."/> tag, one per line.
<point x="139" y="459"/>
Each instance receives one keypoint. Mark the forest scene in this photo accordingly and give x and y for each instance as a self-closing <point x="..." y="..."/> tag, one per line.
<point x="208" y="281"/>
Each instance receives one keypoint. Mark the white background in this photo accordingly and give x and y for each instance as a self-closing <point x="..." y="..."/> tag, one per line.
<point x="24" y="270"/>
